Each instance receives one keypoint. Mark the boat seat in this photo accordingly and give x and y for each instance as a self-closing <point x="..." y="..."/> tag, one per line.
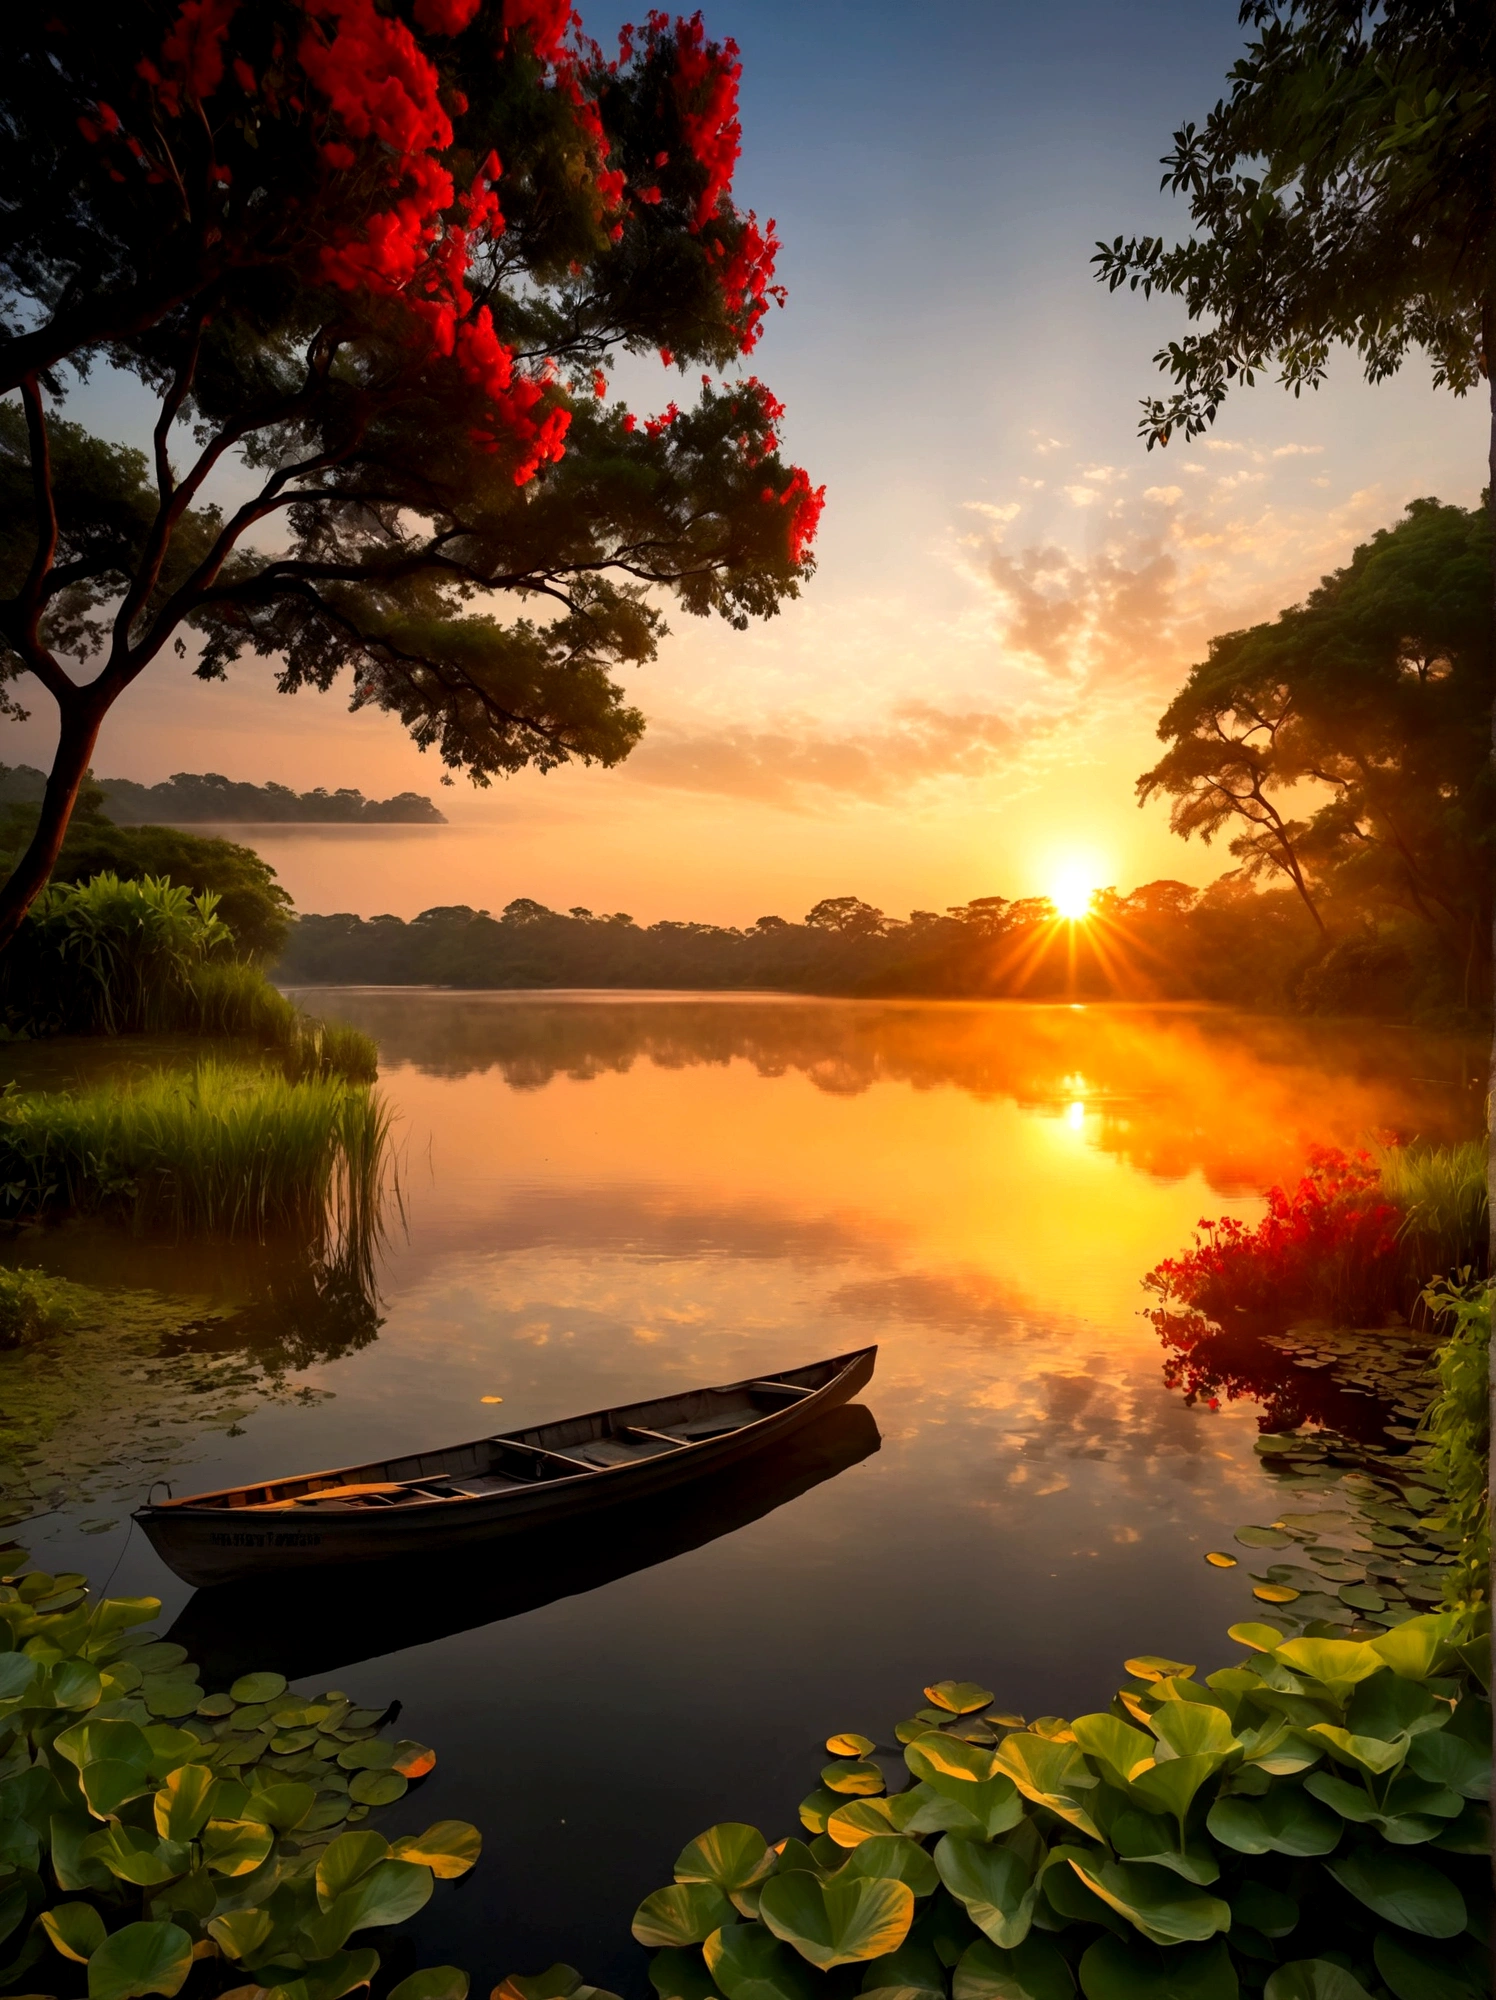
<point x="793" y="1390"/>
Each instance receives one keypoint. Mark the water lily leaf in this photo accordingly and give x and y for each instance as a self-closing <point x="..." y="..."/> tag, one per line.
<point x="235" y="1847"/>
<point x="170" y="1694"/>
<point x="685" y="1913"/>
<point x="413" y="1760"/>
<point x="1122" y="1749"/>
<point x="435" y="1982"/>
<point x="1033" y="1970"/>
<point x="894" y="1857"/>
<point x="75" y="1929"/>
<point x="1170" y="1786"/>
<point x="1404" y="1889"/>
<point x="76" y="1684"/>
<point x="949" y="1805"/>
<point x="677" y="1974"/>
<point x="1117" y="1969"/>
<point x="240" y="1932"/>
<point x="1151" y="1667"/>
<point x="1418" y="1647"/>
<point x="736" y="1857"/>
<point x="1261" y="1638"/>
<point x="1314" y="1979"/>
<point x="17" y="1672"/>
<point x="994" y="1884"/>
<point x="862" y="1819"/>
<point x="941" y="1756"/>
<point x="344" y="1861"/>
<point x="137" y="1856"/>
<point x="388" y="1893"/>
<point x="109" y="1740"/>
<point x="183" y="1801"/>
<point x="1263" y="1538"/>
<point x="141" y="1958"/>
<point x="855" y="1777"/>
<point x="558" y="1982"/>
<point x="258" y="1687"/>
<point x="108" y="1785"/>
<point x="742" y="1955"/>
<point x="168" y="1747"/>
<point x="1285" y="1820"/>
<point x="1049" y="1774"/>
<point x="281" y="1806"/>
<point x="838" y="1922"/>
<point x="215" y="1705"/>
<point x="377" y="1788"/>
<point x="1446" y="1759"/>
<point x="75" y="1869"/>
<point x="959" y="1697"/>
<point x="1193" y="1728"/>
<point x="818" y="1808"/>
<point x="448" y="1847"/>
<point x="371" y="1753"/>
<point x="1420" y="1975"/>
<point x="1275" y="1593"/>
<point x="1339" y="1663"/>
<point x="915" y="1726"/>
<point x="1154" y="1900"/>
<point x="849" y="1744"/>
<point x="1364" y="1753"/>
<point x="1218" y="1559"/>
<point x="912" y="1969"/>
<point x="334" y="1977"/>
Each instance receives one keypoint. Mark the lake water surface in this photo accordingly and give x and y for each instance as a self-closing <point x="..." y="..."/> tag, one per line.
<point x="610" y="1196"/>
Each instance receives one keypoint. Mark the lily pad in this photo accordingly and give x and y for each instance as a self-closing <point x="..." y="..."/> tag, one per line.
<point x="678" y="1974"/>
<point x="1403" y="1889"/>
<point x="1314" y="1979"/>
<point x="1263" y="1538"/>
<point x="857" y="1778"/>
<point x="433" y="1982"/>
<point x="448" y="1848"/>
<point x="1034" y="1970"/>
<point x="1275" y="1593"/>
<point x="743" y="1955"/>
<point x="685" y="1913"/>
<point x="959" y="1697"/>
<point x="377" y="1788"/>
<point x="75" y="1929"/>
<point x="140" y="1959"/>
<point x="994" y="1884"/>
<point x="1218" y="1559"/>
<point x="849" y="1744"/>
<point x="1114" y="1968"/>
<point x="257" y="1687"/>
<point x="894" y="1857"/>
<point x="838" y="1922"/>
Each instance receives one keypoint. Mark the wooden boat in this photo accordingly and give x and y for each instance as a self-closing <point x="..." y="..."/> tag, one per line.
<point x="494" y="1486"/>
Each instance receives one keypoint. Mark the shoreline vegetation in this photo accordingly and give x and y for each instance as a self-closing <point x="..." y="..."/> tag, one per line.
<point x="1228" y="943"/>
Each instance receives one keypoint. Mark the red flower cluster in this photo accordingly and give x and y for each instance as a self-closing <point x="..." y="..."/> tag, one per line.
<point x="547" y="21"/>
<point x="1327" y="1246"/>
<point x="445" y="17"/>
<point x="655" y="426"/>
<point x="803" y="503"/>
<point x="745" y="276"/>
<point x="706" y="90"/>
<point x="192" y="54"/>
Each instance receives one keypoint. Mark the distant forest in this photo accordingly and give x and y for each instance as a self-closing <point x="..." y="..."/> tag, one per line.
<point x="1229" y="942"/>
<point x="193" y="798"/>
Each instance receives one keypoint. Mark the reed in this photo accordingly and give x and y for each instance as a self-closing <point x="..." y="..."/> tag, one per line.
<point x="1445" y="1202"/>
<point x="107" y="957"/>
<point x="227" y="1148"/>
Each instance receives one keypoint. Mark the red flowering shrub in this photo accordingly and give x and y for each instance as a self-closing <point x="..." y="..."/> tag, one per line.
<point x="1326" y="1248"/>
<point x="383" y="252"/>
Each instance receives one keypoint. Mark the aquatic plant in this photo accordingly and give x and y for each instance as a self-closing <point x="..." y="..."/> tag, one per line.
<point x="111" y="957"/>
<point x="1444" y="1195"/>
<point x="226" y="1147"/>
<point x="149" y="1828"/>
<point x="1327" y="1246"/>
<point x="30" y="1306"/>
<point x="1308" y="1820"/>
<point x="1457" y="1431"/>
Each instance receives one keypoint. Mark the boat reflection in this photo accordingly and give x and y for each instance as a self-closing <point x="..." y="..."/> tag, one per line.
<point x="319" y="1623"/>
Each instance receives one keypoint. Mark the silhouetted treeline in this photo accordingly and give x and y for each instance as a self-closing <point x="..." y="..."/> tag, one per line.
<point x="1164" y="941"/>
<point x="195" y="798"/>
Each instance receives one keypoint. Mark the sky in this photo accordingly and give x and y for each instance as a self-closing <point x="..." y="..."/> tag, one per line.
<point x="1009" y="587"/>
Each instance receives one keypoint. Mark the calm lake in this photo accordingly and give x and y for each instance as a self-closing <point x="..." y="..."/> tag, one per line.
<point x="609" y="1196"/>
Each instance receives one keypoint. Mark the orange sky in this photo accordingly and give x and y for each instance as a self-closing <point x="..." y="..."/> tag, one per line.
<point x="1009" y="585"/>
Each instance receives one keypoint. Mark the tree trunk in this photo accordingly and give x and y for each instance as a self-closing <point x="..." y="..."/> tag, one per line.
<point x="75" y="748"/>
<point x="1488" y="343"/>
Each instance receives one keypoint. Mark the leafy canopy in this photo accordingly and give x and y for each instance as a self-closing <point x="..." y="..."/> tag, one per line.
<point x="375" y="262"/>
<point x="1343" y="192"/>
<point x="1378" y="690"/>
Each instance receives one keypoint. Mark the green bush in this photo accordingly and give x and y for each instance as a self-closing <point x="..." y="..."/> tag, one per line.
<point x="30" y="1306"/>
<point x="1445" y="1199"/>
<point x="226" y="1147"/>
<point x="148" y="1827"/>
<point x="1456" y="1429"/>
<point x="111" y="957"/>
<point x="1308" y="1821"/>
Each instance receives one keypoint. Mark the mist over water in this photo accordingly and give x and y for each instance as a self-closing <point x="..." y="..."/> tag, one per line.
<point x="603" y="1197"/>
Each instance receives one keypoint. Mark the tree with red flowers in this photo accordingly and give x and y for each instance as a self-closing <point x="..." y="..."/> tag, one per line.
<point x="373" y="260"/>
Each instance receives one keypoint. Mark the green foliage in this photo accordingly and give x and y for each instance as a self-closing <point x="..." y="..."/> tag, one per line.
<point x="227" y="1148"/>
<point x="1444" y="1194"/>
<point x="146" y="1826"/>
<point x="250" y="901"/>
<point x="30" y="1307"/>
<point x="1338" y="188"/>
<point x="1376" y="691"/>
<point x="1312" y="1817"/>
<point x="110" y="957"/>
<point x="1457" y="1428"/>
<point x="189" y="797"/>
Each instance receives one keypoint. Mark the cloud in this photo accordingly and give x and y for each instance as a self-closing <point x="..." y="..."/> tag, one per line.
<point x="1297" y="450"/>
<point x="805" y="767"/>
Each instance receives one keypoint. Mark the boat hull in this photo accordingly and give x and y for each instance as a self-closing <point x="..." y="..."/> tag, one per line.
<point x="211" y="1543"/>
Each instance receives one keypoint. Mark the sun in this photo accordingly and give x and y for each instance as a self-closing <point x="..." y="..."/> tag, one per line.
<point x="1071" y="896"/>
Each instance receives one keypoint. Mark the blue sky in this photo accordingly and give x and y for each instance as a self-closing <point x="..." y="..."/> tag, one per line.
<point x="1009" y="585"/>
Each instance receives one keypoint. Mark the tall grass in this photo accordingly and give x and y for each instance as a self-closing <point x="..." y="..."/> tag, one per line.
<point x="107" y="957"/>
<point x="1445" y="1202"/>
<point x="1457" y="1427"/>
<point x="228" y="1148"/>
